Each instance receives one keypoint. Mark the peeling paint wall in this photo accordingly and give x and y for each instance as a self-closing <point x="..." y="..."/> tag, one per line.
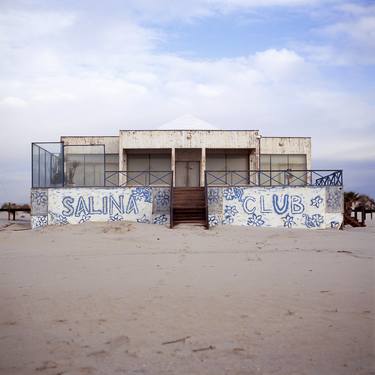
<point x="287" y="145"/>
<point x="78" y="205"/>
<point x="111" y="143"/>
<point x="131" y="139"/>
<point x="287" y="207"/>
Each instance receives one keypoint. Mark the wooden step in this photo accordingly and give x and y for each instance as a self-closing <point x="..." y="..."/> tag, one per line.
<point x="189" y="205"/>
<point x="190" y="217"/>
<point x="190" y="188"/>
<point x="195" y="222"/>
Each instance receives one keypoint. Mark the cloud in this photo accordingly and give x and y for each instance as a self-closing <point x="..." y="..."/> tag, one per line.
<point x="167" y="10"/>
<point x="18" y="26"/>
<point x="13" y="102"/>
<point x="349" y="39"/>
<point x="74" y="77"/>
<point x="358" y="29"/>
<point x="280" y="65"/>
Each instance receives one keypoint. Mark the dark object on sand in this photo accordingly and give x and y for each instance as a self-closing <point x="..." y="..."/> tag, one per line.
<point x="203" y="349"/>
<point x="183" y="339"/>
<point x="356" y="203"/>
<point x="12" y="208"/>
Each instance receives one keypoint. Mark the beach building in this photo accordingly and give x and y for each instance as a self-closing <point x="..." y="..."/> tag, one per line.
<point x="184" y="171"/>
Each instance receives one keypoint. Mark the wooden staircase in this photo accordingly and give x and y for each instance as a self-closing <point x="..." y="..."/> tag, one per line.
<point x="189" y="206"/>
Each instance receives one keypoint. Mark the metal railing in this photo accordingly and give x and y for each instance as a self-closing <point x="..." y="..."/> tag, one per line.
<point x="333" y="179"/>
<point x="312" y="177"/>
<point x="171" y="216"/>
<point x="47" y="164"/>
<point x="138" y="178"/>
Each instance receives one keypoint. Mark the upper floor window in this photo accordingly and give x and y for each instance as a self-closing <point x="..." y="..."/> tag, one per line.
<point x="278" y="164"/>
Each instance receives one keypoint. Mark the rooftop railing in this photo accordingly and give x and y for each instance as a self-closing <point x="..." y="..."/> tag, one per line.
<point x="138" y="178"/>
<point x="312" y="177"/>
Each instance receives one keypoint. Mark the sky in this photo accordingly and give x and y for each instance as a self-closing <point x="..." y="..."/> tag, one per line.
<point x="285" y="67"/>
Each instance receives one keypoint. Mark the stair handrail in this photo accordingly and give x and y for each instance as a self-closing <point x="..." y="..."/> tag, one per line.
<point x="206" y="198"/>
<point x="171" y="223"/>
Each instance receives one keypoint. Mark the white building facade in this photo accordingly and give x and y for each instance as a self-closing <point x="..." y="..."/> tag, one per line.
<point x="191" y="173"/>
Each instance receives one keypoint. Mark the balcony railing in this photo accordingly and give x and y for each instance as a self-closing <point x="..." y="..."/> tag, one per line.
<point x="138" y="178"/>
<point x="312" y="177"/>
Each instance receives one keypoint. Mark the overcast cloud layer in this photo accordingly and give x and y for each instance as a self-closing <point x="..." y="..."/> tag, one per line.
<point x="285" y="67"/>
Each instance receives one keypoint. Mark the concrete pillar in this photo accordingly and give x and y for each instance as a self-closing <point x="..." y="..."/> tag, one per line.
<point x="173" y="165"/>
<point x="120" y="162"/>
<point x="258" y="153"/>
<point x="203" y="166"/>
<point x="253" y="163"/>
<point x="123" y="163"/>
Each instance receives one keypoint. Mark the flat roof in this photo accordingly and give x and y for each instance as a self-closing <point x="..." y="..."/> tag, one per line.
<point x="283" y="136"/>
<point x="193" y="130"/>
<point x="88" y="136"/>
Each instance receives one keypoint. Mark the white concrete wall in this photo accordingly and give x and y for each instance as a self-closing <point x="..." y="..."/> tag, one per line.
<point x="133" y="139"/>
<point x="111" y="143"/>
<point x="78" y="205"/>
<point x="287" y="145"/>
<point x="286" y="207"/>
<point x="155" y="139"/>
<point x="130" y="139"/>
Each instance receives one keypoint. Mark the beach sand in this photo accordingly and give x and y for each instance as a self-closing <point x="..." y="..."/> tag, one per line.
<point x="107" y="298"/>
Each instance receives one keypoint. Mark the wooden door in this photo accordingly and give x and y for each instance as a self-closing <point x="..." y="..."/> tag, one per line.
<point x="187" y="173"/>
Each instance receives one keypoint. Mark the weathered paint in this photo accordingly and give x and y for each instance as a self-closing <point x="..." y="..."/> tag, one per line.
<point x="189" y="139"/>
<point x="79" y="205"/>
<point x="287" y="145"/>
<point x="39" y="202"/>
<point x="111" y="143"/>
<point x="135" y="139"/>
<point x="287" y="207"/>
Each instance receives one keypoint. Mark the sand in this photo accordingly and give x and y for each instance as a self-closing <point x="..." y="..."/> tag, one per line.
<point x="106" y="299"/>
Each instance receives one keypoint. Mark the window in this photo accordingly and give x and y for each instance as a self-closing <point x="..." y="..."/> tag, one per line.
<point x="111" y="168"/>
<point x="297" y="162"/>
<point x="218" y="164"/>
<point x="47" y="164"/>
<point x="148" y="168"/>
<point x="111" y="162"/>
<point x="84" y="170"/>
<point x="84" y="165"/>
<point x="274" y="167"/>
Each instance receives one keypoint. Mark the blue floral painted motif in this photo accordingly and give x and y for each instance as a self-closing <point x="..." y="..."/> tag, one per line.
<point x="318" y="219"/>
<point x="229" y="213"/>
<point x="39" y="221"/>
<point x="213" y="196"/>
<point x="212" y="220"/>
<point x="116" y="217"/>
<point x="40" y="197"/>
<point x="313" y="221"/>
<point x="162" y="198"/>
<point x="335" y="224"/>
<point x="288" y="221"/>
<point x="334" y="200"/>
<point x="317" y="201"/>
<point x="255" y="220"/>
<point x="162" y="219"/>
<point x="233" y="193"/>
<point x="142" y="193"/>
<point x="84" y="218"/>
<point x="143" y="220"/>
<point x="58" y="219"/>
